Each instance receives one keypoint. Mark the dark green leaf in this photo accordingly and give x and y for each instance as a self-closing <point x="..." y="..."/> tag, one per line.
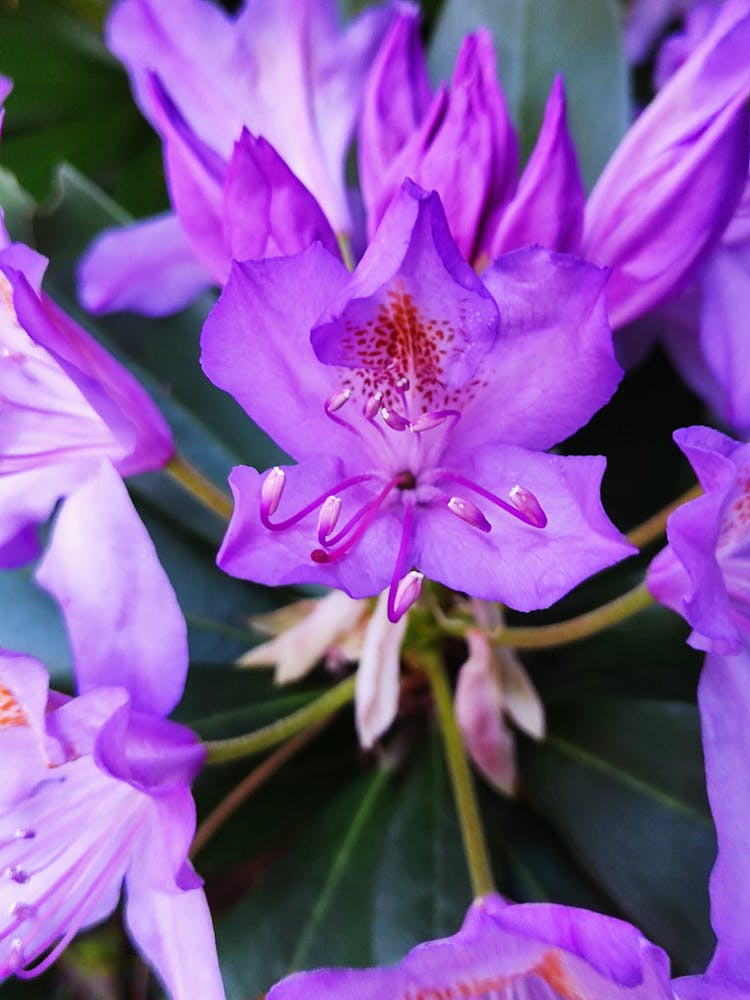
<point x="315" y="905"/>
<point x="623" y="785"/>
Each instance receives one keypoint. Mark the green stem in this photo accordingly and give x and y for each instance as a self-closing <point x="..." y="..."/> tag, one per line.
<point x="581" y="627"/>
<point x="654" y="527"/>
<point x="220" y="751"/>
<point x="472" y="833"/>
<point x="199" y="486"/>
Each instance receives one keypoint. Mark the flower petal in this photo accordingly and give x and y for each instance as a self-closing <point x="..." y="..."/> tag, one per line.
<point x="256" y="346"/>
<point x="548" y="206"/>
<point x="377" y="683"/>
<point x="672" y="185"/>
<point x="552" y="365"/>
<point x="724" y="700"/>
<point x="123" y="619"/>
<point x="117" y="272"/>
<point x="277" y="558"/>
<point x="268" y="212"/>
<point x="522" y="566"/>
<point x="24" y="685"/>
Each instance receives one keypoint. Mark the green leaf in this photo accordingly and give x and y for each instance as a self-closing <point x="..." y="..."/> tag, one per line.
<point x="314" y="906"/>
<point x="535" y="40"/>
<point x="72" y="101"/>
<point x="422" y="888"/>
<point x="623" y="785"/>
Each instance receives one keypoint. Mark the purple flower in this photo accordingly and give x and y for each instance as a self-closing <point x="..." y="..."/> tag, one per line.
<point x="529" y="952"/>
<point x="704" y="573"/>
<point x="704" y="330"/>
<point x="96" y="789"/>
<point x="283" y="70"/>
<point x="417" y="399"/>
<point x="65" y="404"/>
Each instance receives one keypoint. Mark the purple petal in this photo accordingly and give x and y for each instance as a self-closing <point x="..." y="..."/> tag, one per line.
<point x="552" y="365"/>
<point x="412" y="284"/>
<point x="717" y="369"/>
<point x="703" y="536"/>
<point x="396" y="99"/>
<point x="27" y="499"/>
<point x="709" y="988"/>
<point x="529" y="952"/>
<point x="174" y="933"/>
<point x="123" y="407"/>
<point x="547" y="208"/>
<point x="673" y="183"/>
<point x="520" y="565"/>
<point x="256" y="346"/>
<point x="122" y="616"/>
<point x="268" y="212"/>
<point x="252" y="552"/>
<point x="724" y="700"/>
<point x="193" y="47"/>
<point x="150" y="753"/>
<point x="195" y="177"/>
<point x="117" y="272"/>
<point x="465" y="148"/>
<point x="24" y="685"/>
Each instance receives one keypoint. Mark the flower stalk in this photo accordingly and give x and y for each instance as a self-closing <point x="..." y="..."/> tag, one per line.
<point x="199" y="486"/>
<point x="222" y="751"/>
<point x="472" y="832"/>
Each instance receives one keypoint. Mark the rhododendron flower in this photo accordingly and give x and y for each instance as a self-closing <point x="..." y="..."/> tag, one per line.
<point x="202" y="77"/>
<point x="65" y="404"/>
<point x="704" y="573"/>
<point x="416" y="398"/>
<point x="96" y="789"/>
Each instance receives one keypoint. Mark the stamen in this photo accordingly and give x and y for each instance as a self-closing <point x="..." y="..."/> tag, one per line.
<point x="434" y="419"/>
<point x="407" y="592"/>
<point x="530" y="513"/>
<point x="372" y="406"/>
<point x="337" y="400"/>
<point x="402" y="587"/>
<point x="329" y="515"/>
<point x="334" y="403"/>
<point x="394" y="420"/>
<point x="469" y="512"/>
<point x="528" y="504"/>
<point x="363" y="518"/>
<point x="271" y="490"/>
<point x="295" y="518"/>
